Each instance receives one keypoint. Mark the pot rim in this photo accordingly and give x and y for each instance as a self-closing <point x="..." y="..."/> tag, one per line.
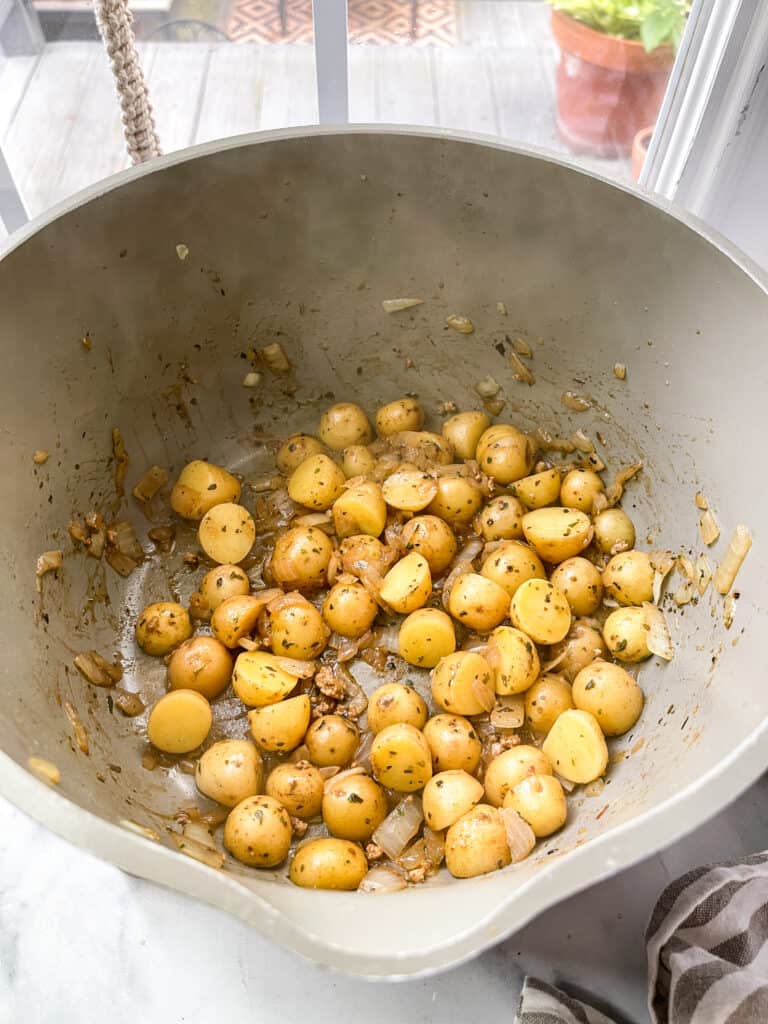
<point x="606" y="51"/>
<point x="605" y="855"/>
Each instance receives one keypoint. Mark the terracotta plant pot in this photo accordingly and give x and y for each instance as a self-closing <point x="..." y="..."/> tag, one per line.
<point x="607" y="88"/>
<point x="640" y="145"/>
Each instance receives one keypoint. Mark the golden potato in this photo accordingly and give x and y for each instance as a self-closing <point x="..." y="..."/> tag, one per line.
<point x="353" y="807"/>
<point x="579" y="489"/>
<point x="464" y="431"/>
<point x="328" y="864"/>
<point x="582" y="584"/>
<point x="448" y="796"/>
<point x="408" y="584"/>
<point x="462" y="684"/>
<point x="457" y="499"/>
<point x="505" y="453"/>
<point x="360" y="509"/>
<point x="342" y="425"/>
<point x="538" y="490"/>
<point x="614" y="531"/>
<point x="401" y="758"/>
<point x="426" y="636"/>
<point x="226" y="533"/>
<point x="546" y="700"/>
<point x="258" y="832"/>
<point x="349" y="609"/>
<point x="296" y="628"/>
<point x="317" y="482"/>
<point x="300" y="559"/>
<point x="540" y="801"/>
<point x="222" y="582"/>
<point x="511" y="564"/>
<point x="280" y="727"/>
<point x="179" y="721"/>
<point x="477" y="843"/>
<point x="162" y="626"/>
<point x="295" y="450"/>
<point x="628" y="578"/>
<point x="298" y="787"/>
<point x="332" y="741"/>
<point x="514" y="660"/>
<point x="201" y="663"/>
<point x="258" y="679"/>
<point x="583" y="644"/>
<point x="409" y="490"/>
<point x="609" y="693"/>
<point x="625" y="632"/>
<point x="393" y="703"/>
<point x="433" y="539"/>
<point x="576" y="747"/>
<point x="477" y="602"/>
<point x="229" y="771"/>
<point x="357" y="460"/>
<point x="200" y="486"/>
<point x="557" y="533"/>
<point x="235" y="618"/>
<point x="540" y="609"/>
<point x="512" y="766"/>
<point x="402" y="414"/>
<point x="502" y="518"/>
<point x="453" y="742"/>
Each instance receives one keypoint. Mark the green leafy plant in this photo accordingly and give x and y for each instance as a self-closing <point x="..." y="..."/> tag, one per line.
<point x="652" y="22"/>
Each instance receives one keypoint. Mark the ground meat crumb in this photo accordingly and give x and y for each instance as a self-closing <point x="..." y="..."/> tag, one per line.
<point x="373" y="851"/>
<point x="417" y="875"/>
<point x="328" y="684"/>
<point x="323" y="706"/>
<point x="299" y="827"/>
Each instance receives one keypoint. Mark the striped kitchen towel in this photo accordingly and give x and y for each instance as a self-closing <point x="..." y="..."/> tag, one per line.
<point x="707" y="944"/>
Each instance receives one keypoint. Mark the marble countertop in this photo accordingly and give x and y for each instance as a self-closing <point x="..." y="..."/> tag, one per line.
<point x="81" y="943"/>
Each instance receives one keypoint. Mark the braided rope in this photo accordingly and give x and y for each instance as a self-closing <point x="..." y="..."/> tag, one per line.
<point x="115" y="20"/>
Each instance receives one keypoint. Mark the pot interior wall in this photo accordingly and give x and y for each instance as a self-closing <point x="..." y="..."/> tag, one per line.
<point x="299" y="240"/>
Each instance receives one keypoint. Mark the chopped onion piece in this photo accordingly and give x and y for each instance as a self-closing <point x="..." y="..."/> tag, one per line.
<point x="685" y="568"/>
<point x="460" y="323"/>
<point x="275" y="358"/>
<point x="399" y="826"/>
<point x="381" y="879"/>
<point x="327" y="771"/>
<point x="49" y="561"/>
<point x="620" y="371"/>
<point x="140" y="830"/>
<point x="495" y="406"/>
<point x="346" y="774"/>
<point x="362" y="756"/>
<point x="684" y="594"/>
<point x="182" y="251"/>
<point x="522" y="373"/>
<point x="98" y="670"/>
<point x="120" y="456"/>
<point x="520" y="837"/>
<point x="461" y="568"/>
<point x="703" y="573"/>
<point x="574" y="402"/>
<point x="615" y="490"/>
<point x="567" y="785"/>
<point x="252" y="379"/>
<point x="547" y="442"/>
<point x="315" y="520"/>
<point x="200" y="851"/>
<point x="708" y="528"/>
<point x="483" y="694"/>
<point x="522" y="348"/>
<point x="662" y="563"/>
<point x="40" y="456"/>
<point x="396" y="305"/>
<point x="434" y="847"/>
<point x="595" y="787"/>
<point x="155" y="478"/>
<point x="729" y="610"/>
<point x="508" y="713"/>
<point x="127" y="703"/>
<point x="294" y="667"/>
<point x="701" y="502"/>
<point x="46" y="771"/>
<point x="582" y="441"/>
<point x="501" y="308"/>
<point x="658" y="640"/>
<point x="733" y="559"/>
<point x="81" y="736"/>
<point x="263" y="484"/>
<point x="488" y="387"/>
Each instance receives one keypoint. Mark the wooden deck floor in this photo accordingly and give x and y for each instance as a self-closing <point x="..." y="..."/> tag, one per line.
<point x="60" y="127"/>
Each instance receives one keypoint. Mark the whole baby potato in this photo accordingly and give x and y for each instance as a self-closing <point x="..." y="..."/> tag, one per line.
<point x="222" y="582"/>
<point x="625" y="632"/>
<point x="433" y="539"/>
<point x="580" y="488"/>
<point x="280" y="727"/>
<point x="576" y="747"/>
<point x="546" y="700"/>
<point x="505" y="453"/>
<point x="628" y="578"/>
<point x="511" y="564"/>
<point x="300" y="558"/>
<point x="614" y="531"/>
<point x="179" y="721"/>
<point x="317" y="482"/>
<point x="353" y="807"/>
<point x="229" y="771"/>
<point x="298" y="787"/>
<point x="162" y="626"/>
<point x="538" y="490"/>
<point x="457" y="499"/>
<point x="426" y="636"/>
<point x="514" y="660"/>
<point x="235" y="618"/>
<point x="408" y="584"/>
<point x="200" y="486"/>
<point x="464" y="431"/>
<point x="226" y="533"/>
<point x="448" y="796"/>
<point x="477" y="602"/>
<point x="611" y="694"/>
<point x="258" y="679"/>
<point x="541" y="611"/>
<point x="462" y="683"/>
<point x="582" y="584"/>
<point x="360" y="509"/>
<point x="332" y="741"/>
<point x="358" y="460"/>
<point x="344" y="424"/>
<point x="539" y="800"/>
<point x="557" y="533"/>
<point x="502" y="518"/>
<point x="295" y="450"/>
<point x="402" y="414"/>
<point x="583" y="644"/>
<point x="258" y="832"/>
<point x="349" y="609"/>
<point x="393" y="703"/>
<point x="453" y="742"/>
<point x="296" y="628"/>
<point x="477" y="843"/>
<point x="328" y="864"/>
<point x="401" y="758"/>
<point x="201" y="663"/>
<point x="512" y="766"/>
